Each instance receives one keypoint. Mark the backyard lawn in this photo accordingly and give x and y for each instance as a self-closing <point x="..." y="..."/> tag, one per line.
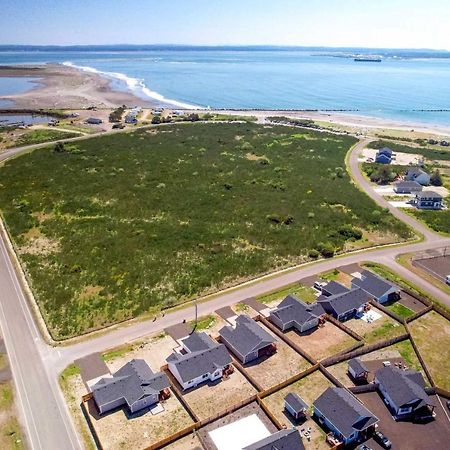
<point x="116" y="226"/>
<point x="431" y="334"/>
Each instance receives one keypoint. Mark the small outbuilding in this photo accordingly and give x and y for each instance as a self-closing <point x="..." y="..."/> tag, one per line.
<point x="358" y="371"/>
<point x="94" y="121"/>
<point x="296" y="407"/>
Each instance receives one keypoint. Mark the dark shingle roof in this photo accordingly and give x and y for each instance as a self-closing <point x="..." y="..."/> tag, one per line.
<point x="341" y="303"/>
<point x="333" y="288"/>
<point x="196" y="342"/>
<point x="247" y="337"/>
<point x="208" y="359"/>
<point x="132" y="382"/>
<point x="373" y="284"/>
<point x="358" y="366"/>
<point x="408" y="185"/>
<point x="428" y="194"/>
<point x="385" y="151"/>
<point x="344" y="411"/>
<point x="295" y="402"/>
<point x="282" y="440"/>
<point x="414" y="171"/>
<point x="293" y="309"/>
<point x="403" y="386"/>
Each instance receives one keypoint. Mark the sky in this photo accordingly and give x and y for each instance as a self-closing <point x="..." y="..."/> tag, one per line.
<point x="335" y="23"/>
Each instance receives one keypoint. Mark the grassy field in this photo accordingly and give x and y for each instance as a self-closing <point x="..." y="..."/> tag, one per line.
<point x="44" y="135"/>
<point x="117" y="226"/>
<point x="435" y="351"/>
<point x="301" y="291"/>
<point x="429" y="152"/>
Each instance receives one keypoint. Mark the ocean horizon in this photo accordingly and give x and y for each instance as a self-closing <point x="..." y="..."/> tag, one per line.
<point x="407" y="85"/>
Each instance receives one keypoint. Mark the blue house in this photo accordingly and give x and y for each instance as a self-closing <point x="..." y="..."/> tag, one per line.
<point x="384" y="156"/>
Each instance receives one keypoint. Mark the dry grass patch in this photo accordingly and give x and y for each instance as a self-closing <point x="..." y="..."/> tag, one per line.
<point x="322" y="342"/>
<point x="190" y="442"/>
<point x="381" y="329"/>
<point x="277" y="368"/>
<point x="431" y="334"/>
<point x="339" y="371"/>
<point x="211" y="398"/>
<point x="36" y="243"/>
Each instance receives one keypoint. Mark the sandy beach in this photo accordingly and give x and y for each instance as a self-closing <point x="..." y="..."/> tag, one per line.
<point x="60" y="86"/>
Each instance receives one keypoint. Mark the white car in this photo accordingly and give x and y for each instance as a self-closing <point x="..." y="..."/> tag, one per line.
<point x="447" y="279"/>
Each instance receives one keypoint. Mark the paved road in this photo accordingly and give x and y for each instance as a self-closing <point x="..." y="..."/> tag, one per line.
<point x="35" y="365"/>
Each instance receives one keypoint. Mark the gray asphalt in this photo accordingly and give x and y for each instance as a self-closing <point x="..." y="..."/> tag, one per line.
<point x="35" y="365"/>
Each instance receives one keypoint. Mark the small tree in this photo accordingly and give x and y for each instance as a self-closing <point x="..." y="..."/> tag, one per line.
<point x="156" y="120"/>
<point x="436" y="178"/>
<point x="59" y="147"/>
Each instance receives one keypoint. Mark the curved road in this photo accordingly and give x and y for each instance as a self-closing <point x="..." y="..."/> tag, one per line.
<point x="36" y="365"/>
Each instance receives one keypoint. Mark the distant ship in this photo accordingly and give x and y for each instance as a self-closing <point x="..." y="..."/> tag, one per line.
<point x="367" y="59"/>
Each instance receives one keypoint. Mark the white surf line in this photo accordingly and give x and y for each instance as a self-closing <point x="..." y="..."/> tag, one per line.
<point x="134" y="84"/>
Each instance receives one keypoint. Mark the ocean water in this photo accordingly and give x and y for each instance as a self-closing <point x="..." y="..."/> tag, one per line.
<point x="406" y="89"/>
<point x="11" y="85"/>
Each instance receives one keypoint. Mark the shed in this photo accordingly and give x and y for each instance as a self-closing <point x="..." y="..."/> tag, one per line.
<point x="358" y="370"/>
<point x="295" y="406"/>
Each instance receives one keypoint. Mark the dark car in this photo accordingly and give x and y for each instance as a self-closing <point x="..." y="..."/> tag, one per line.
<point x="448" y="401"/>
<point x="363" y="447"/>
<point x="382" y="439"/>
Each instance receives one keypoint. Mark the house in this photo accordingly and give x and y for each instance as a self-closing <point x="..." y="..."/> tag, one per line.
<point x="404" y="392"/>
<point x="281" y="440"/>
<point x="358" y="370"/>
<point x="433" y="141"/>
<point x="384" y="156"/>
<point x="418" y="175"/>
<point x="346" y="305"/>
<point x="94" y="121"/>
<point x="333" y="288"/>
<point x="380" y="289"/>
<point x="131" y="117"/>
<point x="294" y="313"/>
<point x="200" y="359"/>
<point x="429" y="200"/>
<point x="247" y="340"/>
<point x="343" y="414"/>
<point x="295" y="406"/>
<point x="134" y="385"/>
<point x="407" y="187"/>
<point x="445" y="143"/>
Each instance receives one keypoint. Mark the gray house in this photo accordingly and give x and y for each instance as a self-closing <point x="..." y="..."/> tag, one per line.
<point x="429" y="200"/>
<point x="281" y="440"/>
<point x="295" y="406"/>
<point x="201" y="359"/>
<point x="248" y="341"/>
<point x="358" y="370"/>
<point x="404" y="392"/>
<point x="344" y="415"/>
<point x="345" y="306"/>
<point x="333" y="288"/>
<point x="134" y="385"/>
<point x="418" y="175"/>
<point x="407" y="187"/>
<point x="384" y="156"/>
<point x="380" y="289"/>
<point x="294" y="313"/>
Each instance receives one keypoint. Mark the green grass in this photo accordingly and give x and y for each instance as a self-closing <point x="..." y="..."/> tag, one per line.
<point x="304" y="293"/>
<point x="204" y="323"/>
<point x="126" y="224"/>
<point x="69" y="372"/>
<point x="332" y="275"/>
<point x="6" y="396"/>
<point x="242" y="308"/>
<point x="386" y="331"/>
<point x="39" y="136"/>
<point x="117" y="352"/>
<point x="11" y="435"/>
<point x="407" y="352"/>
<point x="401" y="310"/>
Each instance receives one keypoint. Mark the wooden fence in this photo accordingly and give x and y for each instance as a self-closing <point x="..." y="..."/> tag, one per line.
<point x="370" y="387"/>
<point x="387" y="311"/>
<point x="88" y="419"/>
<point x="246" y="375"/>
<point x="269" y="413"/>
<point x="343" y="327"/>
<point x="330" y="377"/>
<point x="419" y="314"/>
<point x="288" y="341"/>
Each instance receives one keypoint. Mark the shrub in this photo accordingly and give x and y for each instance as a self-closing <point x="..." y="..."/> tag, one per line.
<point x="313" y="254"/>
<point x="349" y="232"/>
<point x="436" y="178"/>
<point x="59" y="147"/>
<point x="156" y="120"/>
<point x="326" y="249"/>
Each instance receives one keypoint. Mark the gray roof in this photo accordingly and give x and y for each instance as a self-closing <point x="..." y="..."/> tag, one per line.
<point x="132" y="382"/>
<point x="428" y="194"/>
<point x="341" y="303"/>
<point x="344" y="411"/>
<point x="247" y="337"/>
<point x="373" y="284"/>
<point x="200" y="362"/>
<point x="403" y="386"/>
<point x="408" y="185"/>
<point x="196" y="342"/>
<point x="333" y="288"/>
<point x="281" y="440"/>
<point x="415" y="171"/>
<point x="358" y="366"/>
<point x="293" y="309"/>
<point x="295" y="402"/>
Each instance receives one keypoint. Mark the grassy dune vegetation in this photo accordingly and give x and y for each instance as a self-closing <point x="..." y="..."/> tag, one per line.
<point x="44" y="135"/>
<point x="430" y="152"/>
<point x="116" y="226"/>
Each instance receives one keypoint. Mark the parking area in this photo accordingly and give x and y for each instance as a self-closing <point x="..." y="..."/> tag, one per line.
<point x="408" y="435"/>
<point x="438" y="267"/>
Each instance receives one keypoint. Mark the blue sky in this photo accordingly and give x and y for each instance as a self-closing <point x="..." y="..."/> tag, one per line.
<point x="366" y="23"/>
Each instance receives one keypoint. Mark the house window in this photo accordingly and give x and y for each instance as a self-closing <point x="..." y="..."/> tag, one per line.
<point x="205" y="376"/>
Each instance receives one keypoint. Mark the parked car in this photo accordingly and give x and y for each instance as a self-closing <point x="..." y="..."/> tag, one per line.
<point x="118" y="126"/>
<point x="382" y="439"/>
<point x="447" y="279"/>
<point x="363" y="447"/>
<point x="448" y="405"/>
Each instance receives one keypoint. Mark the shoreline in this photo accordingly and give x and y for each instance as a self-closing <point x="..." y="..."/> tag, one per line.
<point x="57" y="86"/>
<point x="63" y="86"/>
